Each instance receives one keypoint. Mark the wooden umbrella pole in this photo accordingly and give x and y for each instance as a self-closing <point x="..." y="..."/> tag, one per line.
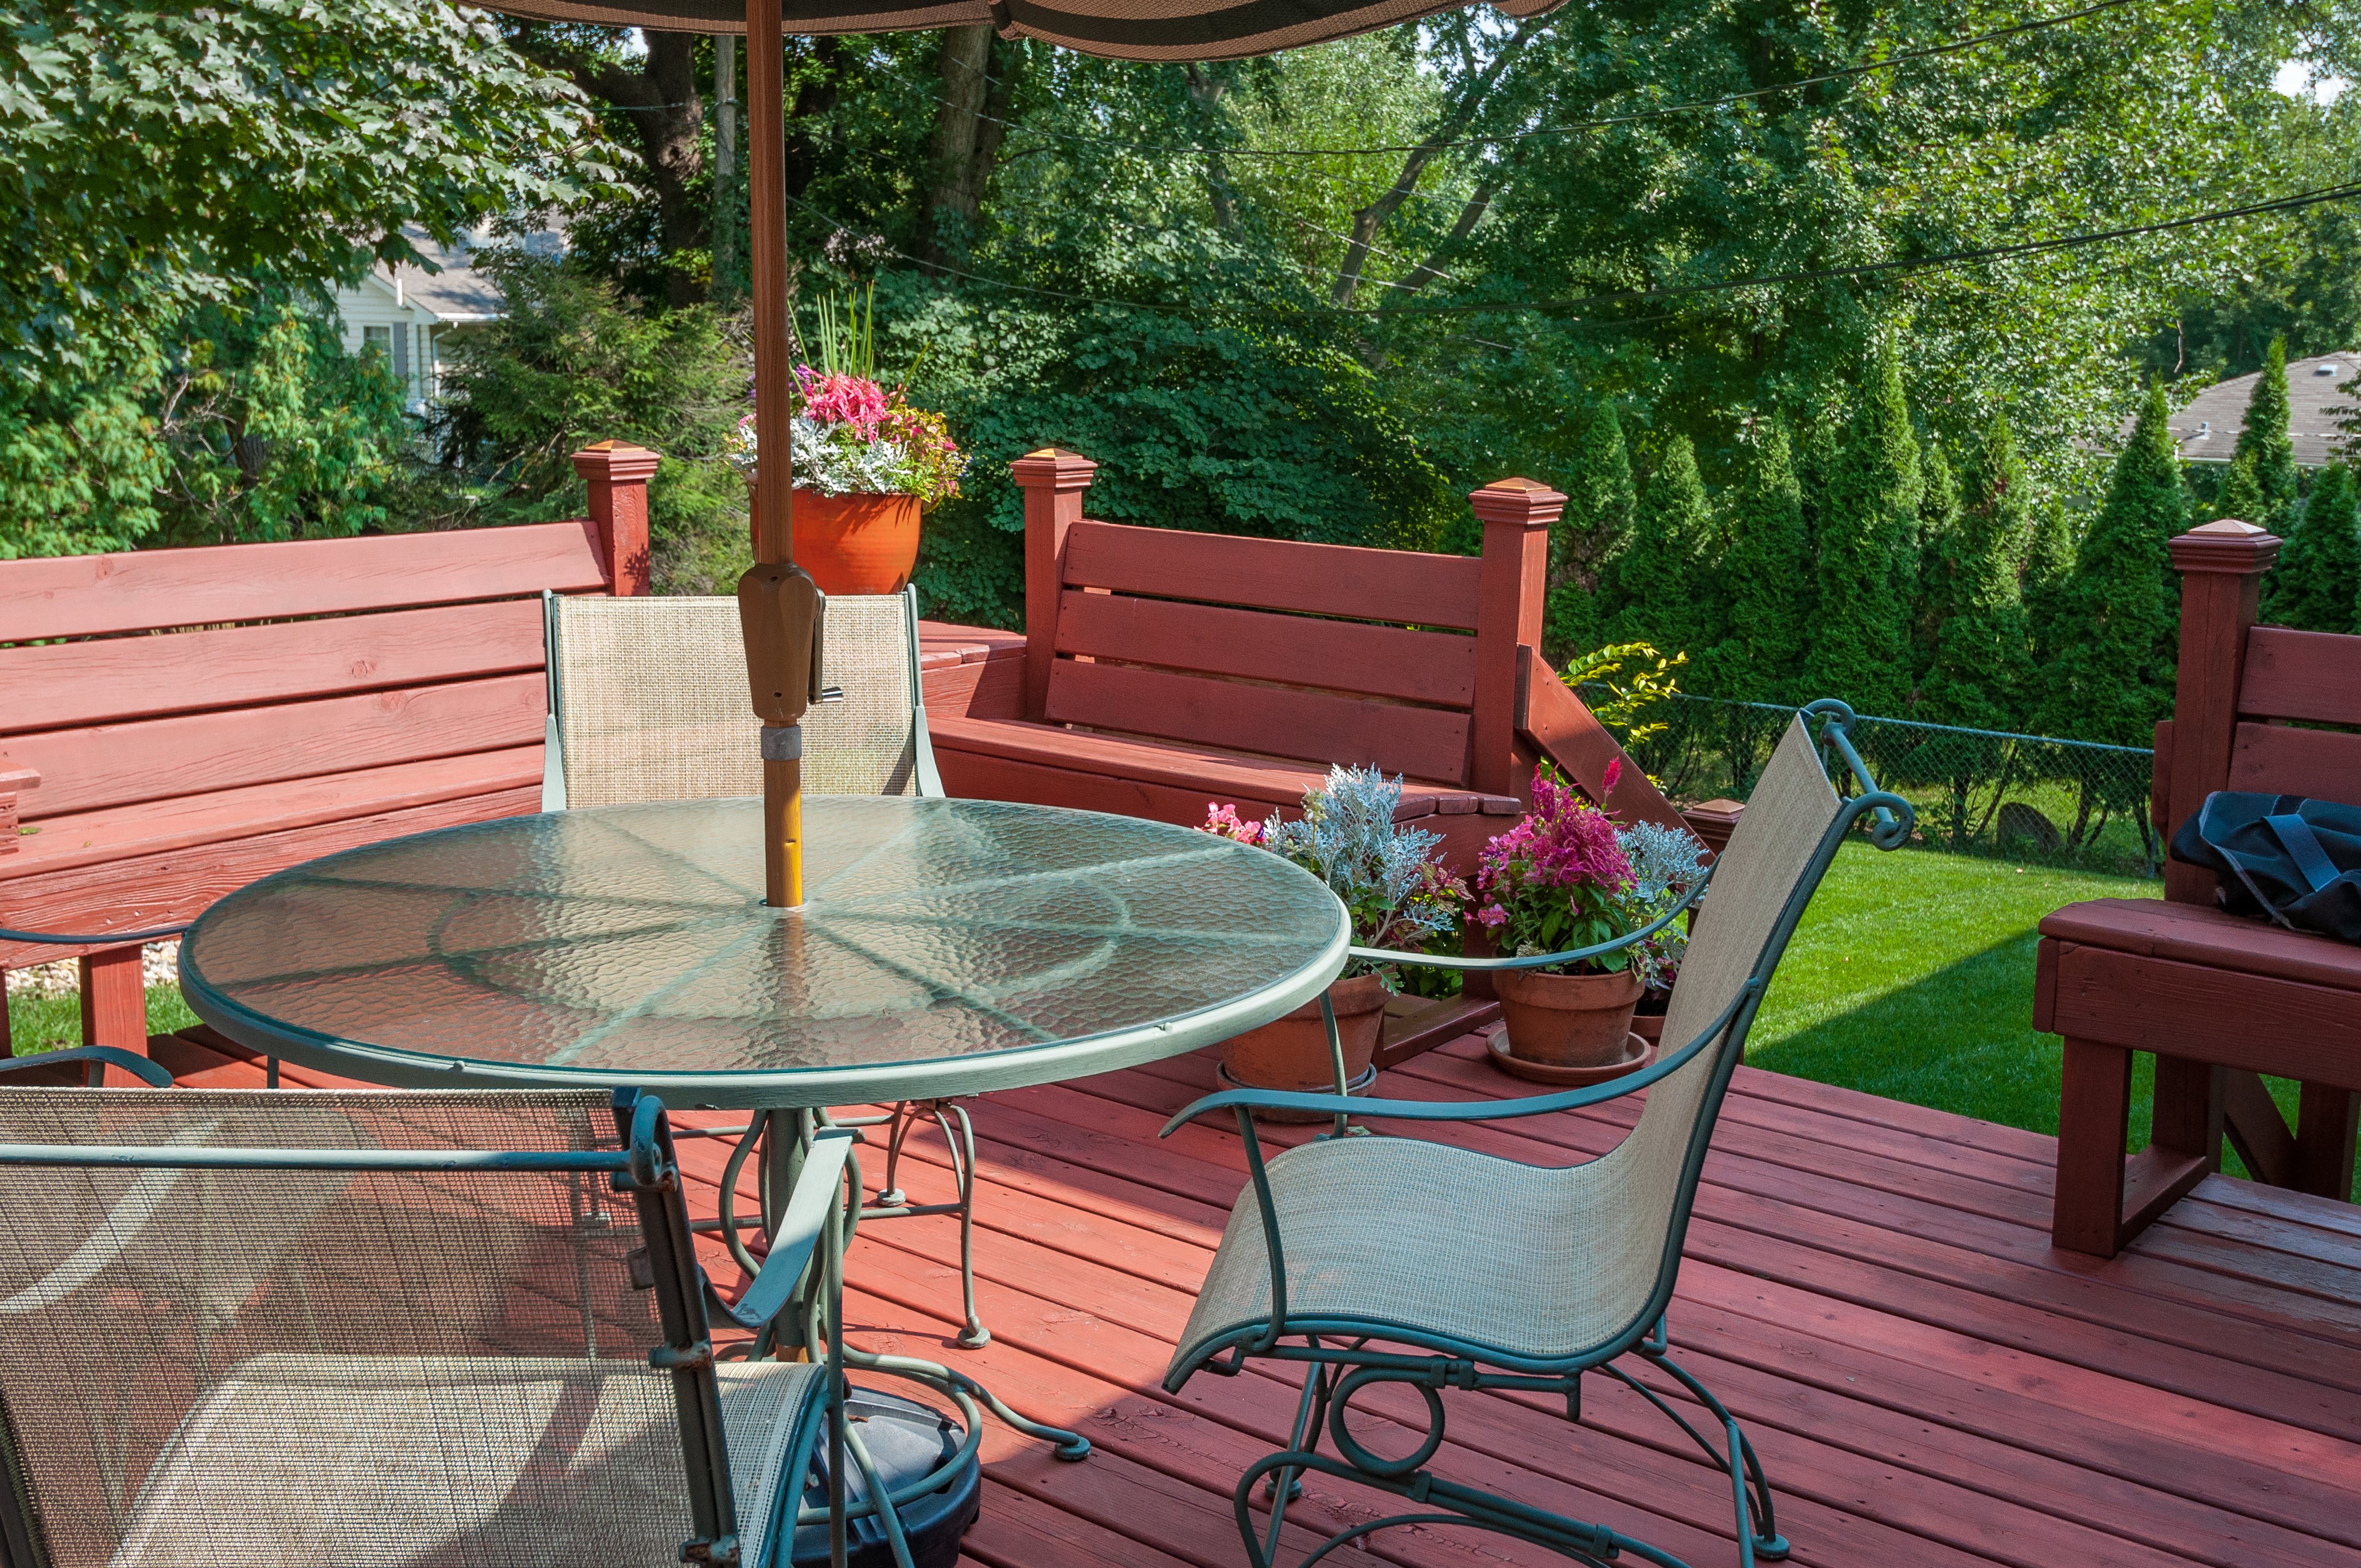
<point x="778" y="603"/>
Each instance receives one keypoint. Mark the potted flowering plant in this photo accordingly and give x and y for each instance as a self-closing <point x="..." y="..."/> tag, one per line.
<point x="865" y="462"/>
<point x="1398" y="893"/>
<point x="1566" y="877"/>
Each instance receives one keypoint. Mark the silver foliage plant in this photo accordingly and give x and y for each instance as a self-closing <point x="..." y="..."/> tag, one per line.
<point x="1386" y="875"/>
<point x="1665" y="863"/>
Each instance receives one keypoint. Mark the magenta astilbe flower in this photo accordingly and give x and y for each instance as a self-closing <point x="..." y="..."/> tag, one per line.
<point x="842" y="400"/>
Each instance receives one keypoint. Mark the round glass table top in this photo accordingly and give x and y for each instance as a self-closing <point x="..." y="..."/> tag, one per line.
<point x="946" y="947"/>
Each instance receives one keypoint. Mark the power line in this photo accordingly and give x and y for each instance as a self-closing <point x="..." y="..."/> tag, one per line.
<point x="2344" y="193"/>
<point x="1840" y="74"/>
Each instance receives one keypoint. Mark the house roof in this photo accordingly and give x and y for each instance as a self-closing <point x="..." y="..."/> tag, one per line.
<point x="457" y="292"/>
<point x="2208" y="428"/>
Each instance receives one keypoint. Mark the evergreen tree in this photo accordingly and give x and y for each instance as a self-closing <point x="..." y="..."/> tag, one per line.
<point x="2239" y="496"/>
<point x="1983" y="657"/>
<point x="1599" y="502"/>
<point x="2111" y="673"/>
<point x="2048" y="568"/>
<point x="1664" y="587"/>
<point x="1767" y="573"/>
<point x="2263" y="442"/>
<point x="2319" y="573"/>
<point x="1860" y="646"/>
<point x="1932" y="590"/>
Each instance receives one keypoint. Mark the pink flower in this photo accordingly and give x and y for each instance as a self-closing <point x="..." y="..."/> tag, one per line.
<point x="1614" y="772"/>
<point x="842" y="400"/>
<point x="1492" y="916"/>
<point x="1226" y="821"/>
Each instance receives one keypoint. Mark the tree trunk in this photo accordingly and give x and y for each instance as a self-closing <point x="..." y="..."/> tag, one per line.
<point x="963" y="72"/>
<point x="725" y="159"/>
<point x="662" y="102"/>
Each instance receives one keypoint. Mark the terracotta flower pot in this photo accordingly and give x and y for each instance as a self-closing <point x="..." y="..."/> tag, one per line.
<point x="854" y="544"/>
<point x="1569" y="1020"/>
<point x="1291" y="1052"/>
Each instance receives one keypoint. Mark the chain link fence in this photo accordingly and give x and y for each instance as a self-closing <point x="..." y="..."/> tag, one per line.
<point x="2031" y="798"/>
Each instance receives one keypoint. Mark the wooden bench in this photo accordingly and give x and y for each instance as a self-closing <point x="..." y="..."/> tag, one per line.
<point x="2217" y="999"/>
<point x="180" y="722"/>
<point x="1164" y="670"/>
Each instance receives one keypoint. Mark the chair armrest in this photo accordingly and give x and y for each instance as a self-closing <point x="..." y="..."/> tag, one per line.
<point x="100" y="1058"/>
<point x="791" y="1251"/>
<point x="1468" y="1110"/>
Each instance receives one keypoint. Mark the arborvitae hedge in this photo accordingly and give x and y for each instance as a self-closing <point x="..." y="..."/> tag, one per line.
<point x="1859" y="647"/>
<point x="2264" y="440"/>
<point x="1982" y="663"/>
<point x="1767" y="573"/>
<point x="2110" y="676"/>
<point x="2319" y="572"/>
<point x="1599" y="503"/>
<point x="1665" y="589"/>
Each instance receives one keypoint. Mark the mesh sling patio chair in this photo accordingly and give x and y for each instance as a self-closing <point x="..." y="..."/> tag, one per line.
<point x="1421" y="1291"/>
<point x="488" y="1341"/>
<point x="648" y="702"/>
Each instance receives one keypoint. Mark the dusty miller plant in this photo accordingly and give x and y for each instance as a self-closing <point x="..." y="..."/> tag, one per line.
<point x="1388" y="877"/>
<point x="1665" y="863"/>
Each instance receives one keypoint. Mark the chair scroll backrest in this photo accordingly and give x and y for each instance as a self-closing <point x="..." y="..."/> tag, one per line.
<point x="1781" y="846"/>
<point x="248" y="1366"/>
<point x="648" y="702"/>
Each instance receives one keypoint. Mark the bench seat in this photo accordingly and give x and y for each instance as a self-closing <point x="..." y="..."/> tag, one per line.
<point x="2193" y="934"/>
<point x="1169" y="781"/>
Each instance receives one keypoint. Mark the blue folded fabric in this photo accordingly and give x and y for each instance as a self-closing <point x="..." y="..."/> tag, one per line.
<point x="2281" y="856"/>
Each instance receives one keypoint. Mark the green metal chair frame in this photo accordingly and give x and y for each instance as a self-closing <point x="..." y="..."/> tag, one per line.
<point x="803" y="1276"/>
<point x="1338" y="1350"/>
<point x="716" y="665"/>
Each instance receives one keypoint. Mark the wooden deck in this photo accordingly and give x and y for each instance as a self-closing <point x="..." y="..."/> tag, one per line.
<point x="1869" y="1285"/>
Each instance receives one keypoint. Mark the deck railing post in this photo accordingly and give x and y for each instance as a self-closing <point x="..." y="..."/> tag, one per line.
<point x="618" y="474"/>
<point x="2220" y="567"/>
<point x="1516" y="514"/>
<point x="1054" y="483"/>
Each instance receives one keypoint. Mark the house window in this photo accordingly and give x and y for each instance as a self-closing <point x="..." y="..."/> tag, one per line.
<point x="379" y="338"/>
<point x="402" y="354"/>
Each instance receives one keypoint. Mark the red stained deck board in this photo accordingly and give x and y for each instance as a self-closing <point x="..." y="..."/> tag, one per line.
<point x="1907" y="1422"/>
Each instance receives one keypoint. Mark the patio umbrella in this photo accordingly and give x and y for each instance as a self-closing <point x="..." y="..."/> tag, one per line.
<point x="778" y="603"/>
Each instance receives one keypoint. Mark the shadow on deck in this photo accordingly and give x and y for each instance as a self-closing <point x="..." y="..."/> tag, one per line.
<point x="1869" y="1285"/>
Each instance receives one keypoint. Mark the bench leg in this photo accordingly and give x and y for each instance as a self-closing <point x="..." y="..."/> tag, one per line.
<point x="2093" y="1115"/>
<point x="8" y="1040"/>
<point x="114" y="1000"/>
<point x="2326" y="1121"/>
<point x="2102" y="1199"/>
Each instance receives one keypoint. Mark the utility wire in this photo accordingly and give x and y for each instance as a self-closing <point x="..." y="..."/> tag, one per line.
<point x="1840" y="74"/>
<point x="2345" y="191"/>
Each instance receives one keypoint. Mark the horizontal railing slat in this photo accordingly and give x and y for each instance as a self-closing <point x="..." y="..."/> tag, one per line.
<point x="2312" y="675"/>
<point x="1400" y="585"/>
<point x="1422" y="743"/>
<point x="158" y="758"/>
<point x="1435" y="667"/>
<point x="53" y="685"/>
<point x="2270" y="759"/>
<point x="141" y="590"/>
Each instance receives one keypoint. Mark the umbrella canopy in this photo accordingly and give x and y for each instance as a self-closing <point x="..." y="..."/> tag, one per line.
<point x="1114" y="29"/>
<point x="779" y="604"/>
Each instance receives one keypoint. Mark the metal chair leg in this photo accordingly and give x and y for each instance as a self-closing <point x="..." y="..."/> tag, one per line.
<point x="962" y="1148"/>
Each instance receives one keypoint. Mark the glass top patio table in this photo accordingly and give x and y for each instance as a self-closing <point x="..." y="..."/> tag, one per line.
<point x="947" y="947"/>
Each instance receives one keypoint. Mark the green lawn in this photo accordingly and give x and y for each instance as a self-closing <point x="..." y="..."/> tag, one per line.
<point x="1911" y="977"/>
<point x="41" y="1023"/>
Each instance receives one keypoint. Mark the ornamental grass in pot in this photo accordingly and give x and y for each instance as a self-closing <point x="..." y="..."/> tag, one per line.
<point x="867" y="463"/>
<point x="1398" y="893"/>
<point x="1566" y="877"/>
